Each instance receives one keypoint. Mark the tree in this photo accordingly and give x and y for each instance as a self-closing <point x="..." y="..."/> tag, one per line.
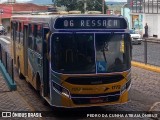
<point x="92" y="5"/>
<point x="69" y="4"/>
<point x="95" y="5"/>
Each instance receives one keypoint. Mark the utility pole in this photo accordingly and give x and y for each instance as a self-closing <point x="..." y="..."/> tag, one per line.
<point x="85" y="5"/>
<point x="1" y="12"/>
<point x="103" y="6"/>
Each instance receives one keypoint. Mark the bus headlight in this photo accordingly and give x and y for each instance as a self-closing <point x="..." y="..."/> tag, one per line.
<point x="123" y="88"/>
<point x="65" y="93"/>
<point x="58" y="88"/>
<point x="127" y="85"/>
<point x="128" y="77"/>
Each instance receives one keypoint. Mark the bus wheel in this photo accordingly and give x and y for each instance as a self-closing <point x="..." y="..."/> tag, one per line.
<point x="19" y="71"/>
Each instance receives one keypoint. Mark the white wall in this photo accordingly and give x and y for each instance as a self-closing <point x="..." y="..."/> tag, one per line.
<point x="153" y="23"/>
<point x="126" y="13"/>
<point x="158" y="26"/>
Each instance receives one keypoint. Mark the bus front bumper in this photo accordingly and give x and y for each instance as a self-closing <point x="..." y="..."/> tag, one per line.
<point x="78" y="100"/>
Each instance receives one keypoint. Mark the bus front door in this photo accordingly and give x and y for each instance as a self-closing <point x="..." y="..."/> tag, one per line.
<point x="25" y="42"/>
<point x="14" y="42"/>
<point x="46" y="34"/>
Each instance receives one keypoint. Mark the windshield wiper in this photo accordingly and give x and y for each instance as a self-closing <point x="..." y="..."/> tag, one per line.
<point x="104" y="55"/>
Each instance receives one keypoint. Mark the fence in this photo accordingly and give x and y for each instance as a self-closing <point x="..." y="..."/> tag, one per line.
<point x="7" y="62"/>
<point x="148" y="52"/>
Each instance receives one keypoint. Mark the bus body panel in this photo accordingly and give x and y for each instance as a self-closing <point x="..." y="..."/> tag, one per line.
<point x="25" y="43"/>
<point x="93" y="91"/>
<point x="63" y="90"/>
<point x="34" y="68"/>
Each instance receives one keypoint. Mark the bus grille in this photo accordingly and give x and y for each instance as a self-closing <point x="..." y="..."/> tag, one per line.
<point x="95" y="80"/>
<point x="94" y="95"/>
<point x="81" y="101"/>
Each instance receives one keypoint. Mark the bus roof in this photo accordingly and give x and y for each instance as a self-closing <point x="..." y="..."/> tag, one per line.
<point x="59" y="19"/>
<point x="65" y="15"/>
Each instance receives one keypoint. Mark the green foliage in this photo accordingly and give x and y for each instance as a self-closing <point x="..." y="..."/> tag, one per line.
<point x="95" y="5"/>
<point x="92" y="5"/>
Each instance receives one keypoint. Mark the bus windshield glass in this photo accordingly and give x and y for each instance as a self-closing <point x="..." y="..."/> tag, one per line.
<point x="90" y="53"/>
<point x="73" y="53"/>
<point x="112" y="52"/>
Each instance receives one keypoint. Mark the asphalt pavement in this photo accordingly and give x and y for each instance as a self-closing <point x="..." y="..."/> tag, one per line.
<point x="10" y="100"/>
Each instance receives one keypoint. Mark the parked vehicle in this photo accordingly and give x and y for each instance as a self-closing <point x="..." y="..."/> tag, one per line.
<point x="136" y="37"/>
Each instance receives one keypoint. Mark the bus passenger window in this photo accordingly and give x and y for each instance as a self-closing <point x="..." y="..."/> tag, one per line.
<point x="38" y="39"/>
<point x="38" y="45"/>
<point x="16" y="29"/>
<point x="30" y="42"/>
<point x="21" y="33"/>
<point x="30" y="38"/>
<point x="12" y="26"/>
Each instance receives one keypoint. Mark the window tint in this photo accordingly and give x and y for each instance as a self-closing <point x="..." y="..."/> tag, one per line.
<point x="21" y="33"/>
<point x="17" y="33"/>
<point x="112" y="54"/>
<point x="12" y="24"/>
<point x="73" y="53"/>
<point x="31" y="37"/>
<point x="38" y="38"/>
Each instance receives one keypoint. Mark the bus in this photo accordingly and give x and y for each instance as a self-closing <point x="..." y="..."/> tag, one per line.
<point x="74" y="60"/>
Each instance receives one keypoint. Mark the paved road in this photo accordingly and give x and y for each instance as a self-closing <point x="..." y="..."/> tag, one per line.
<point x="153" y="54"/>
<point x="144" y="94"/>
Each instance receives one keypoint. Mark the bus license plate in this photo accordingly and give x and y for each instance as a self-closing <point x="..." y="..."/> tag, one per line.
<point x="96" y="100"/>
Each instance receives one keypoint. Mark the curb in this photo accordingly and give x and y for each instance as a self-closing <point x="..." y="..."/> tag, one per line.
<point x="12" y="86"/>
<point x="146" y="66"/>
<point x="153" y="40"/>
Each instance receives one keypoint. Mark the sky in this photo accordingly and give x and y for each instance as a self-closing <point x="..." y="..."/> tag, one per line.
<point x="1" y="1"/>
<point x="116" y="0"/>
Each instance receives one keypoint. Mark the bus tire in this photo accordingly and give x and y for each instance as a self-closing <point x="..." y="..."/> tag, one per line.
<point x="40" y="88"/>
<point x="19" y="71"/>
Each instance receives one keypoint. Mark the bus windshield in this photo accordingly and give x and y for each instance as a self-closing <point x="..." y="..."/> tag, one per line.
<point x="73" y="53"/>
<point x="112" y="52"/>
<point x="88" y="53"/>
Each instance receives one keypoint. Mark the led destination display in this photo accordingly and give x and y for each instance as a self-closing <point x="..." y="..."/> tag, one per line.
<point x="90" y="23"/>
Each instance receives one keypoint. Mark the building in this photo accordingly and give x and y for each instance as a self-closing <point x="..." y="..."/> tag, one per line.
<point x="114" y="8"/>
<point x="136" y="15"/>
<point x="125" y="11"/>
<point x="151" y="16"/>
<point x="145" y="11"/>
<point x="7" y="10"/>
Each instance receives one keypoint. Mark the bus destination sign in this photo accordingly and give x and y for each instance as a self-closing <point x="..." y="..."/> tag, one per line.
<point x="90" y="23"/>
